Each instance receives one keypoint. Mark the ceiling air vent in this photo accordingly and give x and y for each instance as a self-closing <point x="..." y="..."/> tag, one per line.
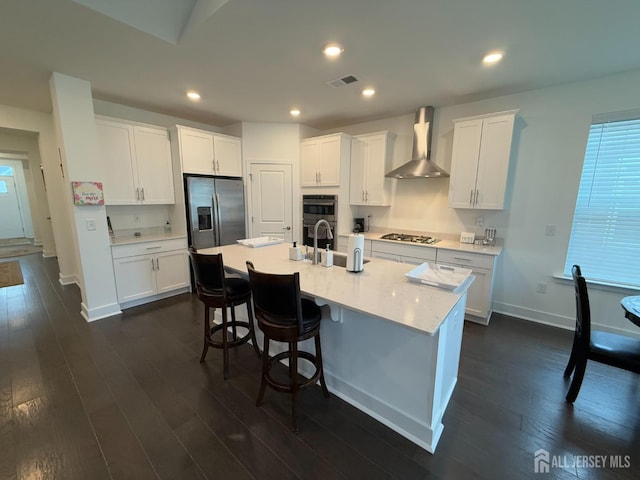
<point x="341" y="82"/>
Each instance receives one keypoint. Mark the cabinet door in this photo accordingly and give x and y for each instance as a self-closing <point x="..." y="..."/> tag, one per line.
<point x="172" y="271"/>
<point x="227" y="156"/>
<point x="115" y="142"/>
<point x="153" y="163"/>
<point x="493" y="162"/>
<point x="464" y="163"/>
<point x="135" y="277"/>
<point x="376" y="182"/>
<point x="357" y="172"/>
<point x="329" y="165"/>
<point x="309" y="161"/>
<point x="479" y="293"/>
<point x="196" y="150"/>
<point x="386" y="256"/>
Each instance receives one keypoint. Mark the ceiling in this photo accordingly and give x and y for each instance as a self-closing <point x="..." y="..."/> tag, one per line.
<point x="252" y="60"/>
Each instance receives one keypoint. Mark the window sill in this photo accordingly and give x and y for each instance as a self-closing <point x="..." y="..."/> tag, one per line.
<point x="600" y="285"/>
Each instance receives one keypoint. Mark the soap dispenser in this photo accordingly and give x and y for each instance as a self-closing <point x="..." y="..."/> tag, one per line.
<point x="327" y="258"/>
<point x="296" y="253"/>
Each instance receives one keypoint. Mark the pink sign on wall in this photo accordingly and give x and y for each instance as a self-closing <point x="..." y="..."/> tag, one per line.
<point x="87" y="193"/>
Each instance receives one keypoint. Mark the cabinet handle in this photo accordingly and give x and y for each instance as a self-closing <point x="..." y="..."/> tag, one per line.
<point x="463" y="259"/>
<point x="142" y="193"/>
<point x="471" y="197"/>
<point x="218" y="165"/>
<point x="363" y="195"/>
<point x="213" y="164"/>
<point x="153" y="248"/>
<point x="366" y="196"/>
<point x="319" y="177"/>
<point x="475" y="202"/>
<point x="137" y="194"/>
<point x="157" y="264"/>
<point x="153" y="267"/>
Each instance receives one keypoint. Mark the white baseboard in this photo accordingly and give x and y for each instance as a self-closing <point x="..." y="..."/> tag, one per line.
<point x="49" y="253"/>
<point x="91" y="315"/>
<point x="68" y="279"/>
<point x="553" y="320"/>
<point x="142" y="301"/>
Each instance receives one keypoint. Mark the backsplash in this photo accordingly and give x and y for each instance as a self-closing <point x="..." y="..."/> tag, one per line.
<point x="131" y="217"/>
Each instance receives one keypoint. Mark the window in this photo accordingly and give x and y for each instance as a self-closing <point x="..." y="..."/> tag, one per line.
<point x="6" y="171"/>
<point x="605" y="236"/>
<point x="3" y="186"/>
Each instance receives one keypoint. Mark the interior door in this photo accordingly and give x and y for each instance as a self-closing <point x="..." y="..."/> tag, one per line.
<point x="271" y="200"/>
<point x="10" y="219"/>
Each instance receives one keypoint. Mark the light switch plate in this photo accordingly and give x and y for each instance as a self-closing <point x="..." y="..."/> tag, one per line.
<point x="467" y="237"/>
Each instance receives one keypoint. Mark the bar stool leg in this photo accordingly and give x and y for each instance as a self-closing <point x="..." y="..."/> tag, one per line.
<point x="233" y="323"/>
<point x="252" y="329"/>
<point x="265" y="370"/>
<point x="225" y="346"/>
<point x="293" y="370"/>
<point x="207" y="334"/>
<point x="323" y="384"/>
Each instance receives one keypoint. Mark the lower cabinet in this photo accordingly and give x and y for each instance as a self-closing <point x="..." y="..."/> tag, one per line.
<point x="343" y="245"/>
<point x="480" y="292"/>
<point x="146" y="269"/>
<point x="411" y="254"/>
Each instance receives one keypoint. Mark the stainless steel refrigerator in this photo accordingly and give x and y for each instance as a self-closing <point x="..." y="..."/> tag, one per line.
<point x="215" y="210"/>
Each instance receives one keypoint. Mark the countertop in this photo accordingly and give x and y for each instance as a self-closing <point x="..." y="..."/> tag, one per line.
<point x="445" y="244"/>
<point x="146" y="237"/>
<point x="381" y="290"/>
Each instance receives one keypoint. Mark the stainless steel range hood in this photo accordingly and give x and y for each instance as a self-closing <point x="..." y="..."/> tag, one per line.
<point x="420" y="166"/>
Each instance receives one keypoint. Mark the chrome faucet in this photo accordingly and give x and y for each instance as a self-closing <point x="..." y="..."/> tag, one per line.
<point x="315" y="238"/>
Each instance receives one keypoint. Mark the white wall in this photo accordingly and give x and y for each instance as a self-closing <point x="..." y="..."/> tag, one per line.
<point x="546" y="162"/>
<point x="273" y="143"/>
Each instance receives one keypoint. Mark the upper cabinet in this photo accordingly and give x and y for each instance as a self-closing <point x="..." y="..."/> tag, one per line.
<point x="480" y="161"/>
<point x="209" y="153"/>
<point x="320" y="159"/>
<point x="370" y="160"/>
<point x="136" y="162"/>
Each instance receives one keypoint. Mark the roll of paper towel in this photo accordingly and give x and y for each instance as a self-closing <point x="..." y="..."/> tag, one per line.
<point x="355" y="252"/>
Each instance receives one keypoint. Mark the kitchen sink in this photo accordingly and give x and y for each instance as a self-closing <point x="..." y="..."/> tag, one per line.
<point x="341" y="260"/>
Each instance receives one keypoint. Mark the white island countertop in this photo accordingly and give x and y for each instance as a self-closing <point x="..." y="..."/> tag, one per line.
<point x="381" y="290"/>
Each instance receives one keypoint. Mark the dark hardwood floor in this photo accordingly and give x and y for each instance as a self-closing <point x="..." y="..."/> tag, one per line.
<point x="125" y="397"/>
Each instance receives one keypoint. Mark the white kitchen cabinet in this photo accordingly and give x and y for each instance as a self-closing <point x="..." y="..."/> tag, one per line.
<point x="479" y="304"/>
<point x="403" y="253"/>
<point x="149" y="269"/>
<point x="370" y="161"/>
<point x="209" y="153"/>
<point x="343" y="245"/>
<point x="321" y="159"/>
<point x="480" y="161"/>
<point x="136" y="161"/>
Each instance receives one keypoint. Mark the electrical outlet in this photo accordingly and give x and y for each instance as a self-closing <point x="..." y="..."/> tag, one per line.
<point x="550" y="230"/>
<point x="541" y="287"/>
<point x="91" y="224"/>
<point x="479" y="220"/>
<point x="136" y="218"/>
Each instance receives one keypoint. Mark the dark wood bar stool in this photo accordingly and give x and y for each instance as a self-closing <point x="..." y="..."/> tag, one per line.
<point x="284" y="316"/>
<point x="216" y="290"/>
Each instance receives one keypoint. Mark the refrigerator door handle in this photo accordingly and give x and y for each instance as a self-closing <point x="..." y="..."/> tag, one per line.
<point x="216" y="215"/>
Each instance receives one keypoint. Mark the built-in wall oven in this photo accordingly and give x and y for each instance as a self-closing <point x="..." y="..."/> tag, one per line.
<point x="315" y="207"/>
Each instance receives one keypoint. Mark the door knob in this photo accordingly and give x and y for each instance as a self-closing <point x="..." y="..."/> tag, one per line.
<point x="286" y="228"/>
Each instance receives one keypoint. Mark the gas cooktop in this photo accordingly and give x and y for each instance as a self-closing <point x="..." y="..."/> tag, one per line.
<point x="406" y="237"/>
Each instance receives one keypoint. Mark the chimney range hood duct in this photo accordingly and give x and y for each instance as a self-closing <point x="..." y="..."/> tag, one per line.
<point x="420" y="166"/>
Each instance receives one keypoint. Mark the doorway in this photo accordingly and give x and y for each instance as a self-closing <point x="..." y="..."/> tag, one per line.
<point x="11" y="225"/>
<point x="271" y="200"/>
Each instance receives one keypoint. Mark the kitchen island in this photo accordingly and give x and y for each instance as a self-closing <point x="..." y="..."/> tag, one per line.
<point x="390" y="347"/>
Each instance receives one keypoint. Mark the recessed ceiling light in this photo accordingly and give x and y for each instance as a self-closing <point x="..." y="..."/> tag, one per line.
<point x="295" y="112"/>
<point x="332" y="50"/>
<point x="492" y="58"/>
<point x="368" y="92"/>
<point x="193" y="95"/>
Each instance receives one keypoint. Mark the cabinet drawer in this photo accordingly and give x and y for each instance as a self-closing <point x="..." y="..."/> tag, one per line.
<point x="145" y="248"/>
<point x="464" y="258"/>
<point x="416" y="251"/>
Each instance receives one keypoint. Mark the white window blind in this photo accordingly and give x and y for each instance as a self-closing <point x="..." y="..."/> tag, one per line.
<point x="605" y="237"/>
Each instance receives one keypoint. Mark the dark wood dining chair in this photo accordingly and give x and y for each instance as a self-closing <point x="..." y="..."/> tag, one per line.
<point x="284" y="316"/>
<point x="216" y="290"/>
<point x="604" y="347"/>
